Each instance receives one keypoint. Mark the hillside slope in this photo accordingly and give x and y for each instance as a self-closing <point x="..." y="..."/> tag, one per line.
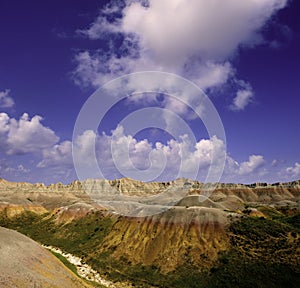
<point x="239" y="236"/>
<point x="25" y="263"/>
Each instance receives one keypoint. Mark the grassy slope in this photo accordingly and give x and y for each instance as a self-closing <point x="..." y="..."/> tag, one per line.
<point x="65" y="262"/>
<point x="263" y="252"/>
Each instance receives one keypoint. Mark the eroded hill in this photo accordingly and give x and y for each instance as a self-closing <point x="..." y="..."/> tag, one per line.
<point x="238" y="236"/>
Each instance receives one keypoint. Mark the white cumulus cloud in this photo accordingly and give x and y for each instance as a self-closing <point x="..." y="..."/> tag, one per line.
<point x="172" y="30"/>
<point x="118" y="152"/>
<point x="25" y="135"/>
<point x="60" y="155"/>
<point x="196" y="39"/>
<point x="121" y="155"/>
<point x="250" y="166"/>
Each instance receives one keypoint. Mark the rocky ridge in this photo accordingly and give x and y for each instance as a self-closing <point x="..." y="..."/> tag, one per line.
<point x="39" y="198"/>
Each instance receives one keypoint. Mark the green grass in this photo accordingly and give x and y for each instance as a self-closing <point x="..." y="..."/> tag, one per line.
<point x="79" y="237"/>
<point x="262" y="252"/>
<point x="293" y="221"/>
<point x="65" y="262"/>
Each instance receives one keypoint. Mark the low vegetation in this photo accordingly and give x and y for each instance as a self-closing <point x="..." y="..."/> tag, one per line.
<point x="66" y="262"/>
<point x="264" y="252"/>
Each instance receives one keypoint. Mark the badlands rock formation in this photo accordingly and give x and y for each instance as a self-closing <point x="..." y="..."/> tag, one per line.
<point x="125" y="195"/>
<point x="126" y="225"/>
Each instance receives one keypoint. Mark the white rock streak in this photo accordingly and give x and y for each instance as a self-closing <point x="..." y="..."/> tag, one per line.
<point x="85" y="271"/>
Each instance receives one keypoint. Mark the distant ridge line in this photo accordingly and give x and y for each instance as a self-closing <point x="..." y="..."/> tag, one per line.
<point x="117" y="182"/>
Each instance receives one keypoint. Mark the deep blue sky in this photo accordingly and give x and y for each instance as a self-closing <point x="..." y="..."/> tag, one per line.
<point x="40" y="55"/>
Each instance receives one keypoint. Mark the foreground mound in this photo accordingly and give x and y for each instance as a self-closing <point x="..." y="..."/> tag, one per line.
<point x="25" y="263"/>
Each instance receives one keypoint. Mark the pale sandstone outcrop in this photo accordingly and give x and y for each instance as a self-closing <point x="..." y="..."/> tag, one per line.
<point x="130" y="195"/>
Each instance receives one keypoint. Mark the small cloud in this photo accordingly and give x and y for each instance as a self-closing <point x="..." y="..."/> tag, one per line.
<point x="243" y="98"/>
<point x="59" y="155"/>
<point x="8" y="169"/>
<point x="294" y="170"/>
<point x="22" y="169"/>
<point x="274" y="163"/>
<point x="99" y="29"/>
<point x="255" y="162"/>
<point x="5" y="100"/>
<point x="283" y="36"/>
